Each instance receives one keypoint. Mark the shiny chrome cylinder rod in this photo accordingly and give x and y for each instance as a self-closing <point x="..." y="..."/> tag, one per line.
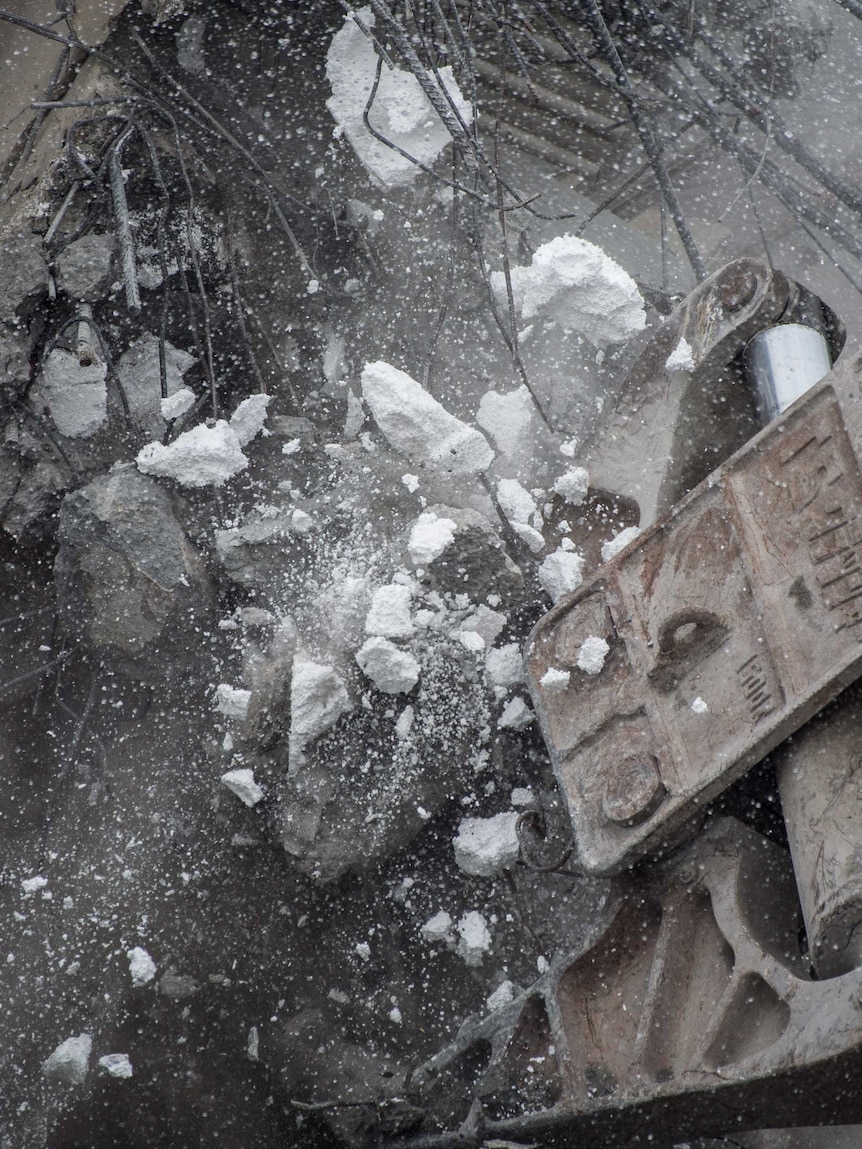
<point x="782" y="363"/>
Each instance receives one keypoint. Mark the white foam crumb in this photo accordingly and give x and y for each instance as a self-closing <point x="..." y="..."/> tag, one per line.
<point x="291" y="447"/>
<point x="555" y="681"/>
<point x="241" y="782"/>
<point x="395" y="1015"/>
<point x="400" y="112"/>
<point x="404" y="724"/>
<point x="619" y="542"/>
<point x="177" y="404"/>
<point x="391" y="670"/>
<point x="249" y="417"/>
<point x="573" y="282"/>
<point x="232" y="701"/>
<point x="567" y="544"/>
<point x="516" y="502"/>
<point x="318" y="698"/>
<point x="471" y="640"/>
<point x="573" y="485"/>
<point x="362" y="951"/>
<point x="699" y="706"/>
<point x="252" y="1044"/>
<point x="486" y="622"/>
<point x="31" y="885"/>
<point x="681" y="358"/>
<point x="417" y="426"/>
<point x="76" y="396"/>
<point x="474" y="938"/>
<point x="534" y="541"/>
<point x="438" y="928"/>
<point x="592" y="654"/>
<point x="542" y="964"/>
<point x="313" y="286"/>
<point x="521" y="796"/>
<point x="561" y="573"/>
<point x="430" y="536"/>
<point x="339" y="996"/>
<point x="569" y="448"/>
<point x="202" y="457"/>
<point x="506" y="417"/>
<point x="142" y="968"/>
<point x="411" y="482"/>
<point x="117" y="1065"/>
<point x="389" y="614"/>
<point x="485" y="847"/>
<point x="502" y="996"/>
<point x="70" y="1061"/>
<point x="516" y="715"/>
<point x="504" y="666"/>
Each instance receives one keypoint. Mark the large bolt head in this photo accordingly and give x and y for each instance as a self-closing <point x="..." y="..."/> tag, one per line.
<point x="634" y="790"/>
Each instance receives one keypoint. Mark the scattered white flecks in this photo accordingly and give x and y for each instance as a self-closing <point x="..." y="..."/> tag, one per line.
<point x="291" y="447"/>
<point x="232" y="701"/>
<point x="31" y="885"/>
<point x="504" y="666"/>
<point x="249" y="417"/>
<point x="417" y="426"/>
<point x="681" y="358"/>
<point x="506" y="416"/>
<point x="429" y="538"/>
<point x="241" y="782"/>
<point x="177" y="404"/>
<point x="252" y="1045"/>
<point x="395" y="1015"/>
<point x="502" y="996"/>
<point x="404" y="724"/>
<point x="389" y="614"/>
<point x="561" y="573"/>
<point x="202" y="457"/>
<point x="76" y="396"/>
<point x="569" y="448"/>
<point x="618" y="543"/>
<point x="699" y="706"/>
<point x="573" y="282"/>
<point x="474" y="938"/>
<point x="486" y="622"/>
<point x="400" y="112"/>
<point x="521" y="796"/>
<point x="555" y="681"/>
<point x="486" y="846"/>
<point x="117" y="1065"/>
<point x="471" y="640"/>
<point x="142" y="968"/>
<point x="573" y="485"/>
<point x="318" y="698"/>
<point x="301" y="522"/>
<point x="516" y="715"/>
<point x="363" y="951"/>
<point x="542" y="964"/>
<point x="390" y="669"/>
<point x="533" y="539"/>
<point x="70" y="1061"/>
<point x="516" y="502"/>
<point x="592" y="654"/>
<point x="438" y="928"/>
<point x="411" y="482"/>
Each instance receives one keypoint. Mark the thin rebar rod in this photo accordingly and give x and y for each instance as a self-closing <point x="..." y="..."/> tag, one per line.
<point x="125" y="239"/>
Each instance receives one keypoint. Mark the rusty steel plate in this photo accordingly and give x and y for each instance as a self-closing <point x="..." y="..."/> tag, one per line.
<point x="729" y="624"/>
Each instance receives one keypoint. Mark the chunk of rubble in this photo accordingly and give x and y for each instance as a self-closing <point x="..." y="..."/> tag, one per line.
<point x="681" y="358"/>
<point x="430" y="536"/>
<point x="232" y="701"/>
<point x="117" y="1065"/>
<point x="561" y="573"/>
<point x="391" y="670"/>
<point x="516" y="715"/>
<point x="484" y="847"/>
<point x="241" y="782"/>
<point x="318" y="698"/>
<point x="142" y="968"/>
<point x="516" y="502"/>
<point x="503" y="995"/>
<point x="532" y="538"/>
<point x="486" y="622"/>
<point x="555" y="681"/>
<point x="75" y="395"/>
<point x="249" y="418"/>
<point x="473" y="559"/>
<point x="139" y="376"/>
<point x="417" y="426"/>
<point x="573" y="485"/>
<point x="474" y="938"/>
<point x="618" y="543"/>
<point x="504" y="666"/>
<point x="575" y="284"/>
<point x="202" y="457"/>
<point x="401" y="111"/>
<point x="438" y="928"/>
<point x="70" y="1061"/>
<point x="506" y="417"/>
<point x="592" y="654"/>
<point x="177" y="404"/>
<point x="389" y="615"/>
<point x="83" y="268"/>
